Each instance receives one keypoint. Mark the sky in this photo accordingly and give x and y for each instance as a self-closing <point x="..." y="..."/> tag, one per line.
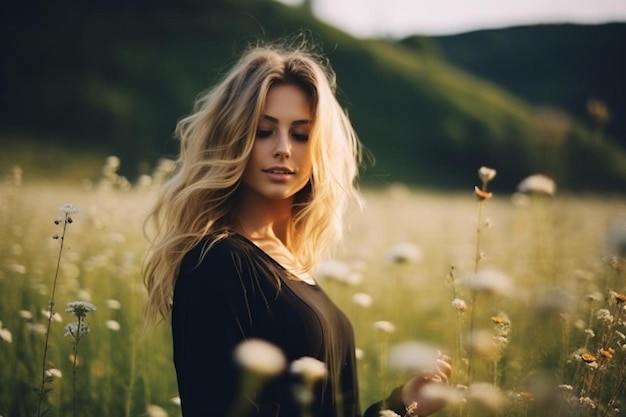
<point x="399" y="18"/>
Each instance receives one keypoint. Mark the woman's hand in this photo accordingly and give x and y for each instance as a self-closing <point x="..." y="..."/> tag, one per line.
<point x="413" y="390"/>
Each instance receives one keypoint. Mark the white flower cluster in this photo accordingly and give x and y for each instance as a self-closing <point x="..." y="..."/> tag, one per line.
<point x="486" y="174"/>
<point x="604" y="315"/>
<point x="403" y="253"/>
<point x="310" y="369"/>
<point x="68" y="209"/>
<point x="79" y="308"/>
<point x="459" y="305"/>
<point x="5" y="334"/>
<point x="260" y="357"/>
<point x="384" y="326"/>
<point x="76" y="329"/>
<point x="537" y="184"/>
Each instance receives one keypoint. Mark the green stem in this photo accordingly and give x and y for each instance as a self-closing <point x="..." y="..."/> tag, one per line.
<point x="50" y="315"/>
<point x="75" y="362"/>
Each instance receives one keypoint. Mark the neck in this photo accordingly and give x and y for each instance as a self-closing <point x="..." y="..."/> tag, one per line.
<point x="260" y="218"/>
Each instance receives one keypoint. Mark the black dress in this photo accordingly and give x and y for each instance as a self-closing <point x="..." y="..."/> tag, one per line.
<point x="235" y="291"/>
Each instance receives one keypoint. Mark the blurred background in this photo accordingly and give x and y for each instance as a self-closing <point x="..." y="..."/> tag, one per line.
<point x="90" y="94"/>
<point x="432" y="99"/>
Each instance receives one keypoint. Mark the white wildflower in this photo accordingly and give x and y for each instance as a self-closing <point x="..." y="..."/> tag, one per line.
<point x="404" y="252"/>
<point x="5" y="334"/>
<point x="76" y="329"/>
<point x="74" y="359"/>
<point x="144" y="181"/>
<point x="444" y="392"/>
<point x="577" y="354"/>
<point x="55" y="317"/>
<point x="36" y="328"/>
<point x="354" y="278"/>
<point x="566" y="387"/>
<point x="25" y="314"/>
<point x="155" y="411"/>
<point x="175" y="400"/>
<point x="113" y="325"/>
<point x="590" y="332"/>
<point x="488" y="395"/>
<point x="604" y="315"/>
<point x="384" y="326"/>
<point x="333" y="270"/>
<point x="112" y="161"/>
<point x="488" y="281"/>
<point x="68" y="208"/>
<point x="17" y="268"/>
<point x="310" y="369"/>
<point x="53" y="373"/>
<point x="260" y="357"/>
<point x="486" y="174"/>
<point x="113" y="304"/>
<point x="537" y="184"/>
<point x="359" y="353"/>
<point x="413" y="356"/>
<point x="79" y="308"/>
<point x="459" y="305"/>
<point x="362" y="299"/>
<point x="587" y="402"/>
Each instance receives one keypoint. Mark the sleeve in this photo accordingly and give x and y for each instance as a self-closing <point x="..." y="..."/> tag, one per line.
<point x="393" y="403"/>
<point x="213" y="306"/>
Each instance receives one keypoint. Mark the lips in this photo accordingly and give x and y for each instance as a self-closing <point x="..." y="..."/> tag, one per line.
<point x="279" y="170"/>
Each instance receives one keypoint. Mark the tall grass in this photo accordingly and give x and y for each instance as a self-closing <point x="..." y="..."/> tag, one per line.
<point x="565" y="284"/>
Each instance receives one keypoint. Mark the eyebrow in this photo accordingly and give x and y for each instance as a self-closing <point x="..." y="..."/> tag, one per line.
<point x="295" y="122"/>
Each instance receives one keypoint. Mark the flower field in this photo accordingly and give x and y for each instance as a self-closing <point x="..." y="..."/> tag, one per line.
<point x="525" y="293"/>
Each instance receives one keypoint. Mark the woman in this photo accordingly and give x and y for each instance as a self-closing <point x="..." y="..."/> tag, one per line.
<point x="267" y="168"/>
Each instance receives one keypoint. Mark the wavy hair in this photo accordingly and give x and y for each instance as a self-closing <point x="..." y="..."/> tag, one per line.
<point x="215" y="142"/>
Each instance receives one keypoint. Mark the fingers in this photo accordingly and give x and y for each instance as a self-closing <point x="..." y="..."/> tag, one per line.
<point x="444" y="364"/>
<point x="441" y="373"/>
<point x="444" y="356"/>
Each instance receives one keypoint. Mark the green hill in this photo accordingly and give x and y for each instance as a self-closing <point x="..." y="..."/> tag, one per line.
<point x="560" y="65"/>
<point x="115" y="77"/>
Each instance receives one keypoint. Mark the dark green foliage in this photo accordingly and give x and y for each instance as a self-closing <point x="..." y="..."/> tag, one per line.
<point x="115" y="77"/>
<point x="559" y="65"/>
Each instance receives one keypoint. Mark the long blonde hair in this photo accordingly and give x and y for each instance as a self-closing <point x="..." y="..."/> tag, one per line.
<point x="215" y="142"/>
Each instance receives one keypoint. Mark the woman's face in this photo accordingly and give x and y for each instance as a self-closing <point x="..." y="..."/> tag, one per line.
<point x="280" y="163"/>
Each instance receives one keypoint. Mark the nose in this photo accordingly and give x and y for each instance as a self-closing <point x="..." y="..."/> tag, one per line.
<point x="283" y="146"/>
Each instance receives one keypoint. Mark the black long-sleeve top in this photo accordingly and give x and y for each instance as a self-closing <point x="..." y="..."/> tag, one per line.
<point x="233" y="292"/>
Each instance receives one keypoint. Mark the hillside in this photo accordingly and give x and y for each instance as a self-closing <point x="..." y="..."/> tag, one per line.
<point x="115" y="78"/>
<point x="560" y="65"/>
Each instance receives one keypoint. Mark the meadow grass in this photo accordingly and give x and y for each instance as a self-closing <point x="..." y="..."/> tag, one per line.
<point x="562" y="301"/>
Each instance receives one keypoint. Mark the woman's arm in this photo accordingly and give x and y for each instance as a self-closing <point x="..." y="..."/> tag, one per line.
<point x="211" y="315"/>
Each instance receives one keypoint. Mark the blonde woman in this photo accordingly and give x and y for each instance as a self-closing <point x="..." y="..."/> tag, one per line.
<point x="268" y="165"/>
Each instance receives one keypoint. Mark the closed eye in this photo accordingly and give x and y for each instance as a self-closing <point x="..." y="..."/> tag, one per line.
<point x="300" y="137"/>
<point x="264" y="133"/>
